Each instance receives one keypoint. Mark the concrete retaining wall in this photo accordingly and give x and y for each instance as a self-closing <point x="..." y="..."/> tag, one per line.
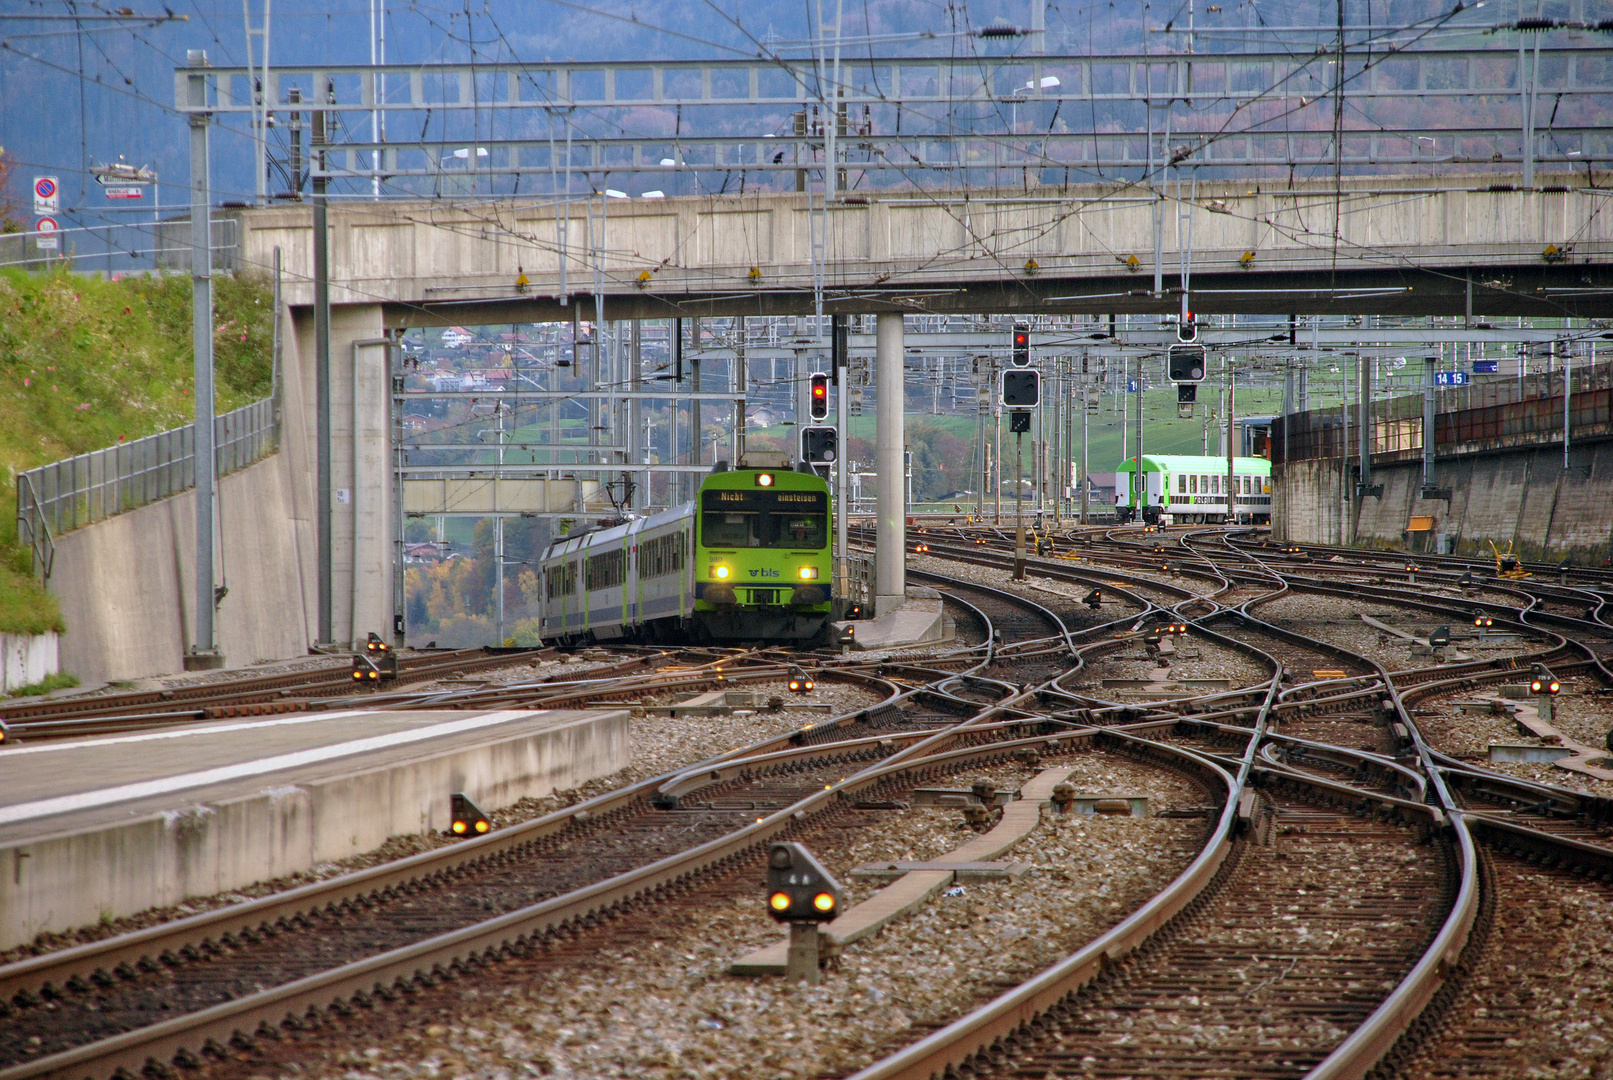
<point x="1526" y="497"/>
<point x="127" y="584"/>
<point x="72" y="880"/>
<point x="28" y="659"/>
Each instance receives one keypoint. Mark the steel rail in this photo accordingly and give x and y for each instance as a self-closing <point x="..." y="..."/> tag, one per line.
<point x="84" y="961"/>
<point x="511" y="933"/>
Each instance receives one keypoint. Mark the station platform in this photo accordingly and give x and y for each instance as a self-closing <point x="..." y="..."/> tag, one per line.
<point x="105" y="827"/>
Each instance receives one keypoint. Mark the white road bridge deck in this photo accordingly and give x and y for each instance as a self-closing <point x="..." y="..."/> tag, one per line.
<point x="1408" y="245"/>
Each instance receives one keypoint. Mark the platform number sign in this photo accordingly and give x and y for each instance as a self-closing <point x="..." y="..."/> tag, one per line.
<point x="1451" y="378"/>
<point x="47" y="195"/>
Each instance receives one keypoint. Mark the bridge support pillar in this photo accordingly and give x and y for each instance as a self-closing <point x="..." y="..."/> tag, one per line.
<point x="362" y="513"/>
<point x="890" y="566"/>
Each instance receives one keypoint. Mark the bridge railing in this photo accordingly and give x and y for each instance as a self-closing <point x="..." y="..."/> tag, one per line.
<point x="67" y="494"/>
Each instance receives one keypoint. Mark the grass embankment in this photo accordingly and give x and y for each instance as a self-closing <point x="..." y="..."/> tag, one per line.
<point x="87" y="363"/>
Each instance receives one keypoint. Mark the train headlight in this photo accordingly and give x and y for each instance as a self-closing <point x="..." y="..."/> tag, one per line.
<point x="764" y="479"/>
<point x="719" y="572"/>
<point x="808" y="573"/>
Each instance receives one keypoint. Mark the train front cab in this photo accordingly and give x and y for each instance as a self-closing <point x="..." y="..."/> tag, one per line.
<point x="763" y="567"/>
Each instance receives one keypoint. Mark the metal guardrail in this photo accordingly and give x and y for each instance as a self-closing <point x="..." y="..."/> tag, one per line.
<point x="67" y="494"/>
<point x="1500" y="412"/>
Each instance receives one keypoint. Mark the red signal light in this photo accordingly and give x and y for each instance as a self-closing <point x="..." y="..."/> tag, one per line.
<point x="819" y="405"/>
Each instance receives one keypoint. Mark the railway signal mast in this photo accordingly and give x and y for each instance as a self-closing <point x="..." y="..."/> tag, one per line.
<point x="1020" y="392"/>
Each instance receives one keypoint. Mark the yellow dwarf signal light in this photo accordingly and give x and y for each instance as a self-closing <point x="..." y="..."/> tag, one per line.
<point x="795" y="684"/>
<point x="764" y="479"/>
<point x="1553" y="686"/>
<point x="799" y="888"/>
<point x="468" y="817"/>
<point x="810" y="684"/>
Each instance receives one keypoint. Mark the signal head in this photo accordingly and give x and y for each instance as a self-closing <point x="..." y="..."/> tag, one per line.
<point x="1020" y="353"/>
<point x="799" y="889"/>
<point x="468" y="818"/>
<point x="819" y="396"/>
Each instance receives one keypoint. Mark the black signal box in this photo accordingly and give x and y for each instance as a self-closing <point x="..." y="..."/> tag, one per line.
<point x="1021" y="388"/>
<point x="1020" y="355"/>
<point x="819" y="444"/>
<point x="818" y="405"/>
<point x="1186" y="363"/>
<point x="1019" y="421"/>
<point x="1187" y="393"/>
<point x="799" y="889"/>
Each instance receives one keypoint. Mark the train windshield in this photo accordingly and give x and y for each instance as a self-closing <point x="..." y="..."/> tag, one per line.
<point x="765" y="519"/>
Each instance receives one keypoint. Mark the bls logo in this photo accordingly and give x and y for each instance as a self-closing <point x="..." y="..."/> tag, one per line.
<point x="764" y="572"/>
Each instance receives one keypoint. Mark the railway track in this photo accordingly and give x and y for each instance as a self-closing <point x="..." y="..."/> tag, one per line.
<point x="1343" y="903"/>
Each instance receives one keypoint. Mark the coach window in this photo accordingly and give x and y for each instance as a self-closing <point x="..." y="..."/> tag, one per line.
<point x="1181" y="484"/>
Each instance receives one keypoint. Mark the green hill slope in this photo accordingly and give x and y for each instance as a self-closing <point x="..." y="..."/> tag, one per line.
<point x="87" y="363"/>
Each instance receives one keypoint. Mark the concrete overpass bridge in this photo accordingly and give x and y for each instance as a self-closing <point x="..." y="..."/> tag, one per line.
<point x="1479" y="245"/>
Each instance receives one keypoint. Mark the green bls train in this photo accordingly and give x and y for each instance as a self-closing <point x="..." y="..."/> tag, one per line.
<point x="1192" y="489"/>
<point x="748" y="560"/>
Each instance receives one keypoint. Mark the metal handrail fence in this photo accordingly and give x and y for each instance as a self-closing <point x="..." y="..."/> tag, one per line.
<point x="67" y="494"/>
<point x="1504" y="411"/>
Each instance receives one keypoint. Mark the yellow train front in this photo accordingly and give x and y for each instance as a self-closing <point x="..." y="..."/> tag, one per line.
<point x="749" y="560"/>
<point x="763" y="565"/>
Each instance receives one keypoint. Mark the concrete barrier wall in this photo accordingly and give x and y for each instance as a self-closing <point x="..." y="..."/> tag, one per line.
<point x="61" y="882"/>
<point x="126" y="585"/>
<point x="1524" y="497"/>
<point x="28" y="659"/>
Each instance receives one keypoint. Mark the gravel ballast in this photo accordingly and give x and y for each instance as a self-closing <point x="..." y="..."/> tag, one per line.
<point x="655" y="1000"/>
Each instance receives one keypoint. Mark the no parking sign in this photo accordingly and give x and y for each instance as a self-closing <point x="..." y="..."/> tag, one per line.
<point x="47" y="195"/>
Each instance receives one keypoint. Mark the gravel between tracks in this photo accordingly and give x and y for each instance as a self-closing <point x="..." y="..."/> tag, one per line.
<point x="659" y="744"/>
<point x="1536" y="1005"/>
<point x="1578" y="712"/>
<point x="1337" y="620"/>
<point x="659" y="1004"/>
